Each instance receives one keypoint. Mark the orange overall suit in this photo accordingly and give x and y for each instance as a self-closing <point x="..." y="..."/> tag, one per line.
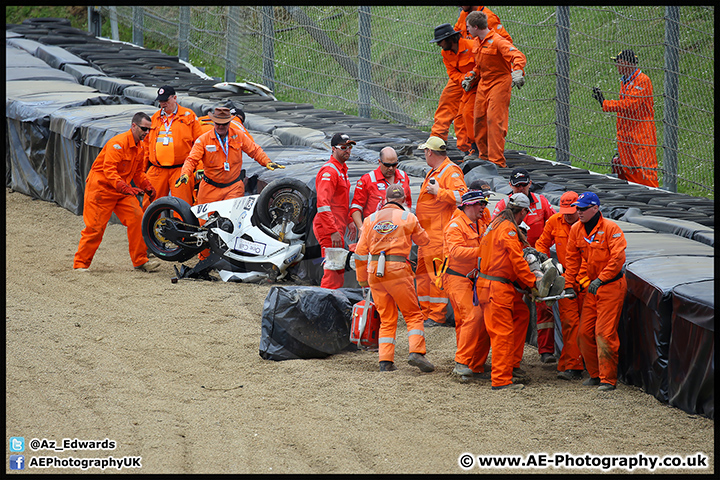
<point x="169" y="142"/>
<point x="462" y="249"/>
<point x="333" y="212"/>
<point x="434" y="213"/>
<point x="556" y="232"/>
<point x="392" y="230"/>
<point x="599" y="254"/>
<point x="492" y="19"/>
<point x="222" y="162"/>
<point x="369" y="194"/>
<point x="455" y="103"/>
<point x="502" y="269"/>
<point x="540" y="212"/>
<point x="495" y="59"/>
<point x="120" y="160"/>
<point x="636" y="135"/>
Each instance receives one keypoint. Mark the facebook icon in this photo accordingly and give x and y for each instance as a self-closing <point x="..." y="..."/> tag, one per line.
<point x="17" y="462"/>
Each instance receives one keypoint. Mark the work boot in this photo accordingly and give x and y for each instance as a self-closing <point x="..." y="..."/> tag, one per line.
<point x="149" y="266"/>
<point x="432" y="323"/>
<point x="548" y="358"/>
<point x="462" y="370"/>
<point x="606" y="387"/>
<point x="511" y="386"/>
<point x="386" y="366"/>
<point x="472" y="155"/>
<point x="570" y="375"/>
<point x="80" y="269"/>
<point x="481" y="375"/>
<point x="519" y="372"/>
<point x="418" y="360"/>
<point x="592" y="381"/>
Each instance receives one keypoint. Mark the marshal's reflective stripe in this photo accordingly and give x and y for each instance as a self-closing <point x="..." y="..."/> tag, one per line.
<point x="355" y="205"/>
<point x="545" y="326"/>
<point x="386" y="340"/>
<point x="324" y="209"/>
<point x="362" y="258"/>
<point x="427" y="298"/>
<point x="416" y="332"/>
<point x="372" y="176"/>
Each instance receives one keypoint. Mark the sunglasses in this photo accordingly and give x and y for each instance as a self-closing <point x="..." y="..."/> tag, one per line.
<point x="582" y="209"/>
<point x="344" y="147"/>
<point x="144" y="129"/>
<point x="390" y="165"/>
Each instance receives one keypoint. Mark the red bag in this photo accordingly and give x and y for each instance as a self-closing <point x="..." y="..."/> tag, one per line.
<point x="365" y="326"/>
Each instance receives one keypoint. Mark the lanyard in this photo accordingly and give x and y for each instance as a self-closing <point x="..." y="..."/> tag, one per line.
<point x="224" y="146"/>
<point x="590" y="240"/>
<point x="632" y="75"/>
<point x="167" y="125"/>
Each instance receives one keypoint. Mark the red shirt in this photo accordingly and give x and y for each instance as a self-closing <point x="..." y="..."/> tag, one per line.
<point x="333" y="193"/>
<point x="369" y="194"/>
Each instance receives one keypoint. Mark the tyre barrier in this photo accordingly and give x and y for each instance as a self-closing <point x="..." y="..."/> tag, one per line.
<point x="650" y="237"/>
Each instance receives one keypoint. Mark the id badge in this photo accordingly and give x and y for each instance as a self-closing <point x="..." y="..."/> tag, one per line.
<point x="166" y="141"/>
<point x="227" y="166"/>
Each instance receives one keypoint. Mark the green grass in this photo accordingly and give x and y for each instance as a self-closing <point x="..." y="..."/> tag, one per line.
<point x="402" y="55"/>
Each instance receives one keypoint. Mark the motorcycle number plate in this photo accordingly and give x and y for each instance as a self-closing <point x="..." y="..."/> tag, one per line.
<point x="246" y="246"/>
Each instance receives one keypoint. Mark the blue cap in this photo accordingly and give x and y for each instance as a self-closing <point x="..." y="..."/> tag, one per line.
<point x="587" y="199"/>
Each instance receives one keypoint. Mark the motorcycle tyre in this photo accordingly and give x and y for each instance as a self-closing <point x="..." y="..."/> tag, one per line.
<point x="267" y="196"/>
<point x="154" y="210"/>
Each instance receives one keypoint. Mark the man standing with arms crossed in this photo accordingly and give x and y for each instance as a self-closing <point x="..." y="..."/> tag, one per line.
<point x="333" y="197"/>
<point x="556" y="232"/>
<point x="596" y="246"/>
<point x="174" y="130"/>
<point x="108" y="190"/>
<point x="389" y="233"/>
<point x="370" y="189"/>
<point x="498" y="67"/>
<point x="440" y="194"/>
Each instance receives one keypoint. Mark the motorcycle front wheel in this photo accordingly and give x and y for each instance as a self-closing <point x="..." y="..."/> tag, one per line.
<point x="165" y="213"/>
<point x="284" y="197"/>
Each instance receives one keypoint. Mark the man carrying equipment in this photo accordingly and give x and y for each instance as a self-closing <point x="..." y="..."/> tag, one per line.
<point x="382" y="263"/>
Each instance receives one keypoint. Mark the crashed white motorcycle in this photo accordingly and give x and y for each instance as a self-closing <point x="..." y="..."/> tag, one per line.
<point x="251" y="238"/>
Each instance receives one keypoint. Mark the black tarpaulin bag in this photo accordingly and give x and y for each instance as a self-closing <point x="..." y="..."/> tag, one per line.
<point x="306" y="322"/>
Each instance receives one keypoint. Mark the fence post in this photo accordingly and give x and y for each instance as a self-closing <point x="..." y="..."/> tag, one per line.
<point x="231" y="40"/>
<point x="94" y="21"/>
<point x="670" y="120"/>
<point x="184" y="34"/>
<point x="268" y="46"/>
<point x="562" y="85"/>
<point x="115" y="34"/>
<point x="138" y="20"/>
<point x="364" y="65"/>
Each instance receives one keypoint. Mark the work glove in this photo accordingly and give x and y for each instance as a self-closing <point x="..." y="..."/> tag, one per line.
<point x="468" y="82"/>
<point x="183" y="179"/>
<point x="363" y="284"/>
<point x="518" y="79"/>
<point x="149" y="189"/>
<point x="126" y="189"/>
<point x="569" y="292"/>
<point x="594" y="285"/>
<point x="598" y="95"/>
<point x="199" y="174"/>
<point x="273" y="166"/>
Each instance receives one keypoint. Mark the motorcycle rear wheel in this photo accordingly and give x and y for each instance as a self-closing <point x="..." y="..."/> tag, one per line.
<point x="162" y="210"/>
<point x="280" y="194"/>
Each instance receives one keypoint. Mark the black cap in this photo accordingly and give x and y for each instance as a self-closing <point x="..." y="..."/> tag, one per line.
<point x="341" y="139"/>
<point x="519" y="176"/>
<point x="443" y="31"/>
<point x="164" y="93"/>
<point x="627" y="55"/>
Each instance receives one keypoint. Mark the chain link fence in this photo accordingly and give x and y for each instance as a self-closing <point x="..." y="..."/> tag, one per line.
<point x="378" y="62"/>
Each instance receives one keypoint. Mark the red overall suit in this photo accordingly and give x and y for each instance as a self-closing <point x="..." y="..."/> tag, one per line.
<point x="600" y="254"/>
<point x="392" y="230"/>
<point x="333" y="212"/>
<point x="556" y="233"/>
<point x="169" y="142"/>
<point x="434" y="213"/>
<point x="120" y="160"/>
<point x="462" y="249"/>
<point x="502" y="268"/>
<point x="369" y="193"/>
<point x="495" y="59"/>
<point x="636" y="136"/>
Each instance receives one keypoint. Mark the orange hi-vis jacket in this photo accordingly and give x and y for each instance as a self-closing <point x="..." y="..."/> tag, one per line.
<point x="493" y="23"/>
<point x="601" y="254"/>
<point x="171" y="137"/>
<point x="540" y="212"/>
<point x="219" y="167"/>
<point x="391" y="230"/>
<point x="556" y="232"/>
<point x="369" y="194"/>
<point x="333" y="197"/>
<point x="435" y="211"/>
<point x="120" y="159"/>
<point x="459" y="64"/>
<point x="495" y="59"/>
<point x="461" y="244"/>
<point x="502" y="255"/>
<point x="636" y="132"/>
